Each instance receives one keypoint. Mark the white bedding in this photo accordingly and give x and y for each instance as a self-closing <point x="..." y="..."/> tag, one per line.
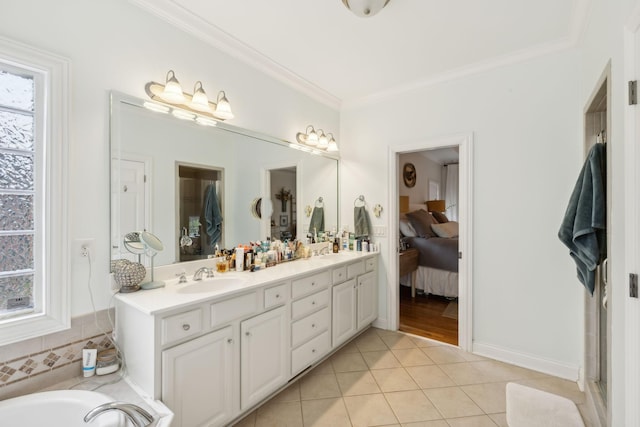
<point x="435" y="281"/>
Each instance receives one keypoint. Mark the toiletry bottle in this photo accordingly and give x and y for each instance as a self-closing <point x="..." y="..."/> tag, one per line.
<point x="336" y="246"/>
<point x="239" y="258"/>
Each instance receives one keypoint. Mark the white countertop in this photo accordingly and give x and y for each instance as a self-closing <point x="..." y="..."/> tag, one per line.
<point x="175" y="295"/>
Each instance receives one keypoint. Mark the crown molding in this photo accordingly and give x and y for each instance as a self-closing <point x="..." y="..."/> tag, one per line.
<point x="192" y="24"/>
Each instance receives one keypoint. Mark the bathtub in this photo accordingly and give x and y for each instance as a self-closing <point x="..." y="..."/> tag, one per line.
<point x="60" y="408"/>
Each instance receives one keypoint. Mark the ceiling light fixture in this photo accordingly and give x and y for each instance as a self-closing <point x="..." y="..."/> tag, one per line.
<point x="365" y="8"/>
<point x="198" y="104"/>
<point x="314" y="140"/>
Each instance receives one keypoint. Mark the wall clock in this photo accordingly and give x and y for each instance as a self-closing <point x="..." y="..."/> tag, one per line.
<point x="409" y="174"/>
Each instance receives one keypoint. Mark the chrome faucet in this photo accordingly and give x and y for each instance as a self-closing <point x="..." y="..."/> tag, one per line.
<point x="138" y="416"/>
<point x="198" y="274"/>
<point x="182" y="277"/>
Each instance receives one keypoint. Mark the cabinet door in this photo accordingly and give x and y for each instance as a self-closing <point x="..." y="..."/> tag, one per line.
<point x="344" y="311"/>
<point x="263" y="355"/>
<point x="367" y="299"/>
<point x="196" y="379"/>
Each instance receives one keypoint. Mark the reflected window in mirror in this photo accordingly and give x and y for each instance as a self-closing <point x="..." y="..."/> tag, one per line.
<point x="33" y="193"/>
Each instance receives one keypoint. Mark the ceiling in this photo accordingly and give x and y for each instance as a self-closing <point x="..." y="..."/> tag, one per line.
<point x="322" y="48"/>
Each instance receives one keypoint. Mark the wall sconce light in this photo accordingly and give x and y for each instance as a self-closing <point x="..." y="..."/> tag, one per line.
<point x="196" y="107"/>
<point x="316" y="139"/>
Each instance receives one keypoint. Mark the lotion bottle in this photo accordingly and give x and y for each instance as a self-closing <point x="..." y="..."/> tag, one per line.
<point x="239" y="258"/>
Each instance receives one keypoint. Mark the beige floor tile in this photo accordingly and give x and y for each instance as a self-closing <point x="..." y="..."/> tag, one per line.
<point x="499" y="371"/>
<point x="325" y="413"/>
<point x="477" y="421"/>
<point x="349" y="348"/>
<point x="452" y="402"/>
<point x="412" y="357"/>
<point x="323" y="368"/>
<point x="434" y="423"/>
<point x="380" y="359"/>
<point x="394" y="379"/>
<point x="287" y="414"/>
<point x="348" y="362"/>
<point x="289" y="394"/>
<point x="491" y="397"/>
<point x="370" y="342"/>
<point x="465" y="373"/>
<point x="398" y="341"/>
<point x="319" y="387"/>
<point x="470" y="357"/>
<point x="566" y="388"/>
<point x="444" y="354"/>
<point x="429" y="376"/>
<point x="422" y="342"/>
<point x="356" y="383"/>
<point x="412" y="406"/>
<point x="248" y="421"/>
<point x="371" y="410"/>
<point x="499" y="419"/>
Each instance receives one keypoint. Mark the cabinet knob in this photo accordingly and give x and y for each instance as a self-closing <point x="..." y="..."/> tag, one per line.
<point x="313" y="350"/>
<point x="277" y="296"/>
<point x="248" y="333"/>
<point x="313" y="325"/>
<point x="186" y="326"/>
<point x="313" y="303"/>
<point x="313" y="283"/>
<point x="229" y="340"/>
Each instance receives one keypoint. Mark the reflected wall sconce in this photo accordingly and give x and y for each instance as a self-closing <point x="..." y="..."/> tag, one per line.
<point x="195" y="107"/>
<point x="317" y="140"/>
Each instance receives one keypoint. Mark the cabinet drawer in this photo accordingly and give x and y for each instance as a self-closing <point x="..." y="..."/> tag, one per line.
<point x="309" y="284"/>
<point x="181" y="325"/>
<point x="339" y="275"/>
<point x="234" y="308"/>
<point x="355" y="269"/>
<point x="309" y="304"/>
<point x="370" y="264"/>
<point x="307" y="327"/>
<point x="275" y="295"/>
<point x="308" y="353"/>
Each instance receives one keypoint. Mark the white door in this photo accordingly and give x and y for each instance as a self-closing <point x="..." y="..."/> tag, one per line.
<point x="263" y="355"/>
<point x="131" y="191"/>
<point x="344" y="311"/>
<point x="197" y="377"/>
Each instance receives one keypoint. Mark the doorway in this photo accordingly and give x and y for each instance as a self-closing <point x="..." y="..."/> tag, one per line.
<point x="428" y="267"/>
<point x="463" y="142"/>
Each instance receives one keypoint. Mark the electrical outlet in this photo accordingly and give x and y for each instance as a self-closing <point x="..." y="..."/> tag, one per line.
<point x="83" y="247"/>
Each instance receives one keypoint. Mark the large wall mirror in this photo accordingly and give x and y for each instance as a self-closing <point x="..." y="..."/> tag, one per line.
<point x="195" y="186"/>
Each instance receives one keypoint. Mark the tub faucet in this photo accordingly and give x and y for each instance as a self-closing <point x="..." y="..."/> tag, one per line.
<point x="198" y="274"/>
<point x="138" y="416"/>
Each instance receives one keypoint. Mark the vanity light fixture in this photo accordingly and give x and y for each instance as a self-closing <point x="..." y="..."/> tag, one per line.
<point x="197" y="105"/>
<point x="315" y="141"/>
<point x="365" y="8"/>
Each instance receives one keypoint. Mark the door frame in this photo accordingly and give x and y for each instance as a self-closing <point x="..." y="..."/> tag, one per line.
<point x="465" y="200"/>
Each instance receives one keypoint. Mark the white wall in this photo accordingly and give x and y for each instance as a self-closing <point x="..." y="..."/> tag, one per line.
<point x="114" y="45"/>
<point x="527" y="152"/>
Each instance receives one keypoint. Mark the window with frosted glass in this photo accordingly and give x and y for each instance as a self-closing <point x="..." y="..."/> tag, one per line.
<point x="17" y="192"/>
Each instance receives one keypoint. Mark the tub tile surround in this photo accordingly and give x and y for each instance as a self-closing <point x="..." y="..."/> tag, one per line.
<point x="412" y="381"/>
<point x="37" y="363"/>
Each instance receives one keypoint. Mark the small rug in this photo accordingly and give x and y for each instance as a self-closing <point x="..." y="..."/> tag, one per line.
<point x="529" y="407"/>
<point x="451" y="311"/>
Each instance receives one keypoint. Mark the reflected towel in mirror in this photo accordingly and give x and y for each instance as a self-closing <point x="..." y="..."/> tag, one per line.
<point x="212" y="215"/>
<point x="317" y="220"/>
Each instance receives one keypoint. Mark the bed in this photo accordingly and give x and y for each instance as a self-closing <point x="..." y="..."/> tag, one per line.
<point x="436" y="239"/>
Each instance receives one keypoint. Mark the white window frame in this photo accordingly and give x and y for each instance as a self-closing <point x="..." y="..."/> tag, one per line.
<point x="51" y="243"/>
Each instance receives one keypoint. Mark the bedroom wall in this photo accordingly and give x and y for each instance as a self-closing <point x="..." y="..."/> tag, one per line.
<point x="426" y="171"/>
<point x="114" y="45"/>
<point x="525" y="121"/>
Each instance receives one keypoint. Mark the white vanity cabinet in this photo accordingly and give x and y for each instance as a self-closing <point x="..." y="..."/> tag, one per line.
<point x="197" y="377"/>
<point x="212" y="358"/>
<point x="354" y="299"/>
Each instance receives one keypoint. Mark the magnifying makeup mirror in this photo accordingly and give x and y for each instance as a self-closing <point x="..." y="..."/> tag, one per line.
<point x="140" y="243"/>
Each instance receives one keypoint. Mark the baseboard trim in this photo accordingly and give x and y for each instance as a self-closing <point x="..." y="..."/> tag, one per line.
<point x="551" y="367"/>
<point x="380" y="323"/>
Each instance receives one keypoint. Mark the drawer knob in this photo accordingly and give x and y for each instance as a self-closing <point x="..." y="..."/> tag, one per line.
<point x="313" y="283"/>
<point x="313" y="350"/>
<point x="313" y="303"/>
<point x="186" y="326"/>
<point x="229" y="340"/>
<point x="277" y="296"/>
<point x="248" y="333"/>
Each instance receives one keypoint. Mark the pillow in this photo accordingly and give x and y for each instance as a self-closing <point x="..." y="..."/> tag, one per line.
<point x="440" y="217"/>
<point x="421" y="222"/>
<point x="447" y="230"/>
<point x="406" y="228"/>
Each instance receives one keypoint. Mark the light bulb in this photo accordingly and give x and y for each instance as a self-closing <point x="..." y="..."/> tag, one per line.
<point x="223" y="108"/>
<point x="172" y="90"/>
<point x="199" y="100"/>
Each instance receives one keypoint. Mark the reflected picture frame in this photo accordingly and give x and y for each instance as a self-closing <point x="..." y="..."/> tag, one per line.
<point x="284" y="220"/>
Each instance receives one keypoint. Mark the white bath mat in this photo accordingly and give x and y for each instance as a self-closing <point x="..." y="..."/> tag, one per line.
<point x="530" y="407"/>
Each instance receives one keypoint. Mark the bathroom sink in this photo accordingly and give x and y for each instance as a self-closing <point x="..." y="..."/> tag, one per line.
<point x="209" y="285"/>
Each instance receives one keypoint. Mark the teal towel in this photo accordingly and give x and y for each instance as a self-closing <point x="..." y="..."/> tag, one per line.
<point x="212" y="215"/>
<point x="317" y="220"/>
<point x="362" y="224"/>
<point x="583" y="229"/>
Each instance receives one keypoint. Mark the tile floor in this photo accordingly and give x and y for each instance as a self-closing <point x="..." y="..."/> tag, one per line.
<point x="386" y="378"/>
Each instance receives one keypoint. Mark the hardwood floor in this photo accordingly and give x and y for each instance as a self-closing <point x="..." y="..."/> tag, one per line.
<point x="423" y="315"/>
